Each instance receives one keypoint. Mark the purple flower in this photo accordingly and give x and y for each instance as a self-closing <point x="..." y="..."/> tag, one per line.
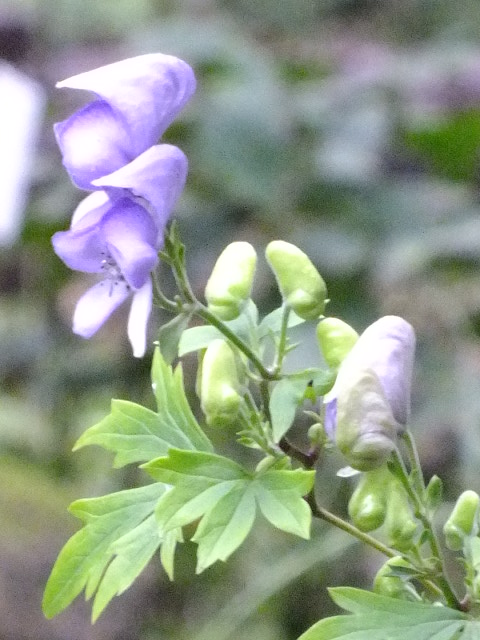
<point x="370" y="401"/>
<point x="117" y="233"/>
<point x="109" y="147"/>
<point x="138" y="99"/>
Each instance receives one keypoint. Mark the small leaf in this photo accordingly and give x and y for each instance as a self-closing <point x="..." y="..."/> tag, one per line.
<point x="272" y="322"/>
<point x="169" y="336"/>
<point x="434" y="494"/>
<point x="280" y="498"/>
<point x="287" y="394"/>
<point x="198" y="338"/>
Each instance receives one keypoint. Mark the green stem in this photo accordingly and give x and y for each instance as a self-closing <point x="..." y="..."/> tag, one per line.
<point x="203" y="312"/>
<point x="414" y="459"/>
<point x="162" y="300"/>
<point x="282" y="342"/>
<point x="422" y="515"/>
<point x="327" y="516"/>
<point x="336" y="521"/>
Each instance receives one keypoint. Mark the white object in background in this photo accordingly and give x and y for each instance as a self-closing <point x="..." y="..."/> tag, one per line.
<point x="22" y="103"/>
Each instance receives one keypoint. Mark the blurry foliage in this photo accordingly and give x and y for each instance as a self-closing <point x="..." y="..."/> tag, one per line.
<point x="349" y="128"/>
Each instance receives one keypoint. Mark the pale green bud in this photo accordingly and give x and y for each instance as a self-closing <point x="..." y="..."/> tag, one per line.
<point x="400" y="526"/>
<point x="220" y="385"/>
<point x="366" y="429"/>
<point x="367" y="506"/>
<point x="387" y="584"/>
<point x="463" y="521"/>
<point x="336" y="339"/>
<point x="300" y="284"/>
<point x="230" y="283"/>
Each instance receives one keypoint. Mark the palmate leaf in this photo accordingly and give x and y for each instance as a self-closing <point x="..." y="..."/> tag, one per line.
<point x="225" y="497"/>
<point x="376" y="617"/>
<point x="137" y="434"/>
<point x="119" y="538"/>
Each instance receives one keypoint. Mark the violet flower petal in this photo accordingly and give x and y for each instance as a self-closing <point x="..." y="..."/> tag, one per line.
<point x="147" y="91"/>
<point x="97" y="305"/>
<point x="138" y="318"/>
<point x="90" y="210"/>
<point x="93" y="142"/>
<point x="387" y="347"/>
<point x="80" y="250"/>
<point x="130" y="236"/>
<point x="158" y="175"/>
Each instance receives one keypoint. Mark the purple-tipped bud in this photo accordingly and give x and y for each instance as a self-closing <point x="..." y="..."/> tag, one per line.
<point x="369" y="404"/>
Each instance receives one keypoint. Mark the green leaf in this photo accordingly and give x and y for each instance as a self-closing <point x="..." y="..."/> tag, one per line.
<point x="376" y="617"/>
<point x="169" y="336"/>
<point x="272" y="322"/>
<point x="137" y="434"/>
<point x="83" y="560"/>
<point x="172" y="403"/>
<point x="287" y="394"/>
<point x="225" y="526"/>
<point x="223" y="496"/>
<point x="167" y="550"/>
<point x="280" y="498"/>
<point x="132" y="553"/>
<point x="200" y="480"/>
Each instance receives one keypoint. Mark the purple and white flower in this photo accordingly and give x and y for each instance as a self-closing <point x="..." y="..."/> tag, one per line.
<point x="109" y="147"/>
<point x="371" y="395"/>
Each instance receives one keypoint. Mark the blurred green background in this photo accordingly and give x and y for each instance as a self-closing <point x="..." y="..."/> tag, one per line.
<point x="349" y="127"/>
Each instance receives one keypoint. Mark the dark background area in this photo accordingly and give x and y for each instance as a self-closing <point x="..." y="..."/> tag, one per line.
<point x="349" y="128"/>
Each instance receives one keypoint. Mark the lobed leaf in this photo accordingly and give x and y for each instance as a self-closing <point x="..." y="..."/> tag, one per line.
<point x="84" y="558"/>
<point x="224" y="496"/>
<point x="137" y="434"/>
<point x="376" y="617"/>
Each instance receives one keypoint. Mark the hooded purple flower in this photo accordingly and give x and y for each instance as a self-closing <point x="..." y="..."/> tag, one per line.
<point x="137" y="99"/>
<point x="370" y="401"/>
<point x="110" y="147"/>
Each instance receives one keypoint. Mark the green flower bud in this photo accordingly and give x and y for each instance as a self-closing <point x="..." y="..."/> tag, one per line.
<point x="400" y="526"/>
<point x="230" y="283"/>
<point x="366" y="429"/>
<point x="390" y="585"/>
<point x="220" y="384"/>
<point x="336" y="339"/>
<point x="316" y="434"/>
<point x="300" y="284"/>
<point x="463" y="521"/>
<point x="367" y="506"/>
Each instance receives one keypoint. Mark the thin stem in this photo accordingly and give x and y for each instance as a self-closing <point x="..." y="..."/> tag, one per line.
<point x="327" y="516"/>
<point x="164" y="302"/>
<point x="422" y="515"/>
<point x="336" y="521"/>
<point x="203" y="312"/>
<point x="308" y="459"/>
<point x="282" y="342"/>
<point x="414" y="459"/>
